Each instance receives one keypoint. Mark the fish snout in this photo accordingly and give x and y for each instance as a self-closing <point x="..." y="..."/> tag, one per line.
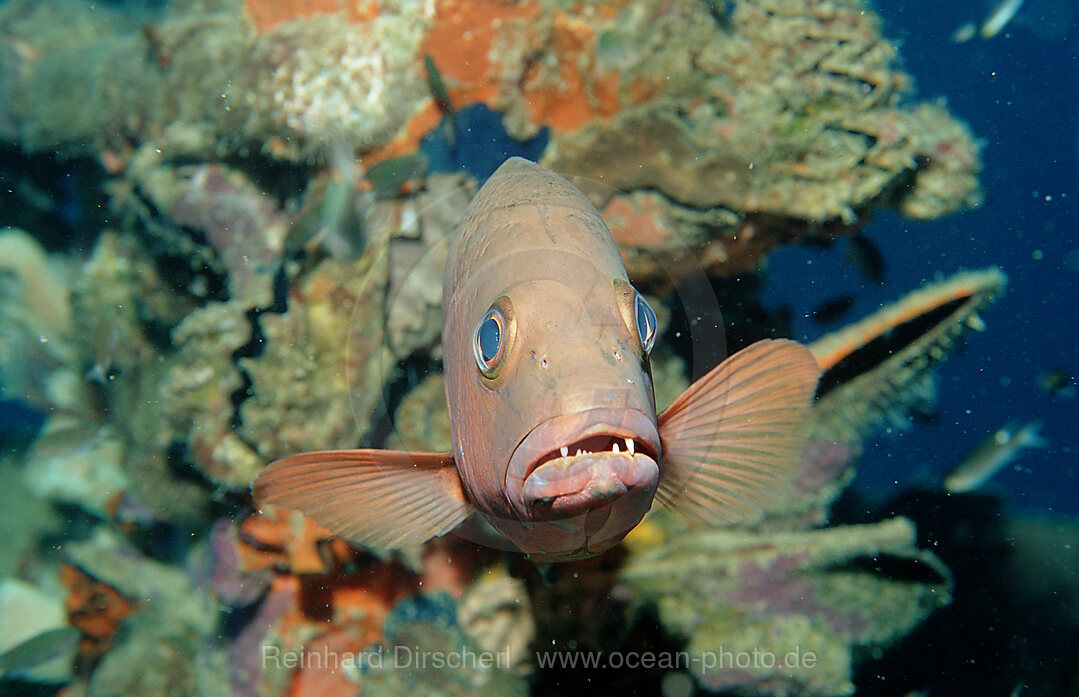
<point x="569" y="486"/>
<point x="578" y="462"/>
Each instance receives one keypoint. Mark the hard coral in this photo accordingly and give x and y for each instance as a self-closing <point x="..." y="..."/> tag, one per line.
<point x="353" y="81"/>
<point x="325" y="602"/>
<point x="794" y="115"/>
<point x="746" y="130"/>
<point x="195" y="394"/>
<point x="38" y="356"/>
<point x="318" y="380"/>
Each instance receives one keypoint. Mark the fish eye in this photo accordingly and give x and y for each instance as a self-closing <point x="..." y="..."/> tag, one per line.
<point x="488" y="342"/>
<point x="646" y="323"/>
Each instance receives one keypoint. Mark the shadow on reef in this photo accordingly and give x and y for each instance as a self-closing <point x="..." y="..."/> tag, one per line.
<point x="582" y="612"/>
<point x="1001" y="630"/>
<point x="25" y="688"/>
<point x="744" y="320"/>
<point x="61" y="201"/>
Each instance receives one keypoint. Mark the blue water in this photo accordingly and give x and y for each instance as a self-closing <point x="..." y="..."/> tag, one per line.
<point x="1019" y="92"/>
<point x="479" y="144"/>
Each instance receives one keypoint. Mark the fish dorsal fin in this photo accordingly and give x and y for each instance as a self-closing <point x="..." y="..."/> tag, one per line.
<point x="379" y="498"/>
<point x="736" y="435"/>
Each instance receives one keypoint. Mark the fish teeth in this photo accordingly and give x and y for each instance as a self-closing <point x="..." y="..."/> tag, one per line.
<point x="629" y="446"/>
<point x="578" y="451"/>
<point x="615" y="448"/>
<point x="564" y="450"/>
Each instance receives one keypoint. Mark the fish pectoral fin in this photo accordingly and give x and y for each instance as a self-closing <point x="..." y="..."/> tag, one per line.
<point x="379" y="498"/>
<point x="734" y="437"/>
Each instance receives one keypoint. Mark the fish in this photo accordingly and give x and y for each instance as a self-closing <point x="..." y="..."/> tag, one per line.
<point x="1048" y="20"/>
<point x="833" y="310"/>
<point x="386" y="178"/>
<point x="1057" y="383"/>
<point x="555" y="439"/>
<point x="37" y="650"/>
<point x="863" y="255"/>
<point x="105" y="343"/>
<point x="334" y="212"/>
<point x="999" y="18"/>
<point x="993" y="454"/>
<point x="441" y="95"/>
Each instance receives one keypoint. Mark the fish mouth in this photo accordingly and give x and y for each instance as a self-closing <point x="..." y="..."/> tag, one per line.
<point x="572" y="464"/>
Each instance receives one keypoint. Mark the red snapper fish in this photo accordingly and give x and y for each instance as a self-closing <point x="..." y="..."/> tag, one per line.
<point x="556" y="441"/>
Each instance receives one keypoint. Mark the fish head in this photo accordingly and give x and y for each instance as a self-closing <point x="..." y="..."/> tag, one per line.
<point x="553" y="414"/>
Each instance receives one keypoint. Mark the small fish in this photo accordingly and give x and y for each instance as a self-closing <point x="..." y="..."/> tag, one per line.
<point x="442" y="98"/>
<point x="999" y="18"/>
<point x="993" y="454"/>
<point x="105" y="344"/>
<point x="37" y="650"/>
<point x="1057" y="383"/>
<point x="387" y="178"/>
<point x="335" y="210"/>
<point x="833" y="310"/>
<point x="720" y="10"/>
<point x="555" y="438"/>
<point x="865" y="256"/>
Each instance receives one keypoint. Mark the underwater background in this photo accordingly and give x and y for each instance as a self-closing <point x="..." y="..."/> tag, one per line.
<point x="237" y="233"/>
<point x="1020" y="95"/>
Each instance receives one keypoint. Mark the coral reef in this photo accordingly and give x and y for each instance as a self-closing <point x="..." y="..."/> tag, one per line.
<point x="801" y="600"/>
<point x="495" y="613"/>
<point x="36" y="332"/>
<point x="205" y="82"/>
<point x="168" y="622"/>
<point x="26" y="612"/>
<point x="776" y="584"/>
<point x="76" y="465"/>
<point x="332" y="603"/>
<point x="256" y="288"/>
<point x="427" y="626"/>
<point x="322" y="371"/>
<point x="781" y="118"/>
<point x="876" y="371"/>
<point x="350" y="80"/>
<point x="27" y="518"/>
